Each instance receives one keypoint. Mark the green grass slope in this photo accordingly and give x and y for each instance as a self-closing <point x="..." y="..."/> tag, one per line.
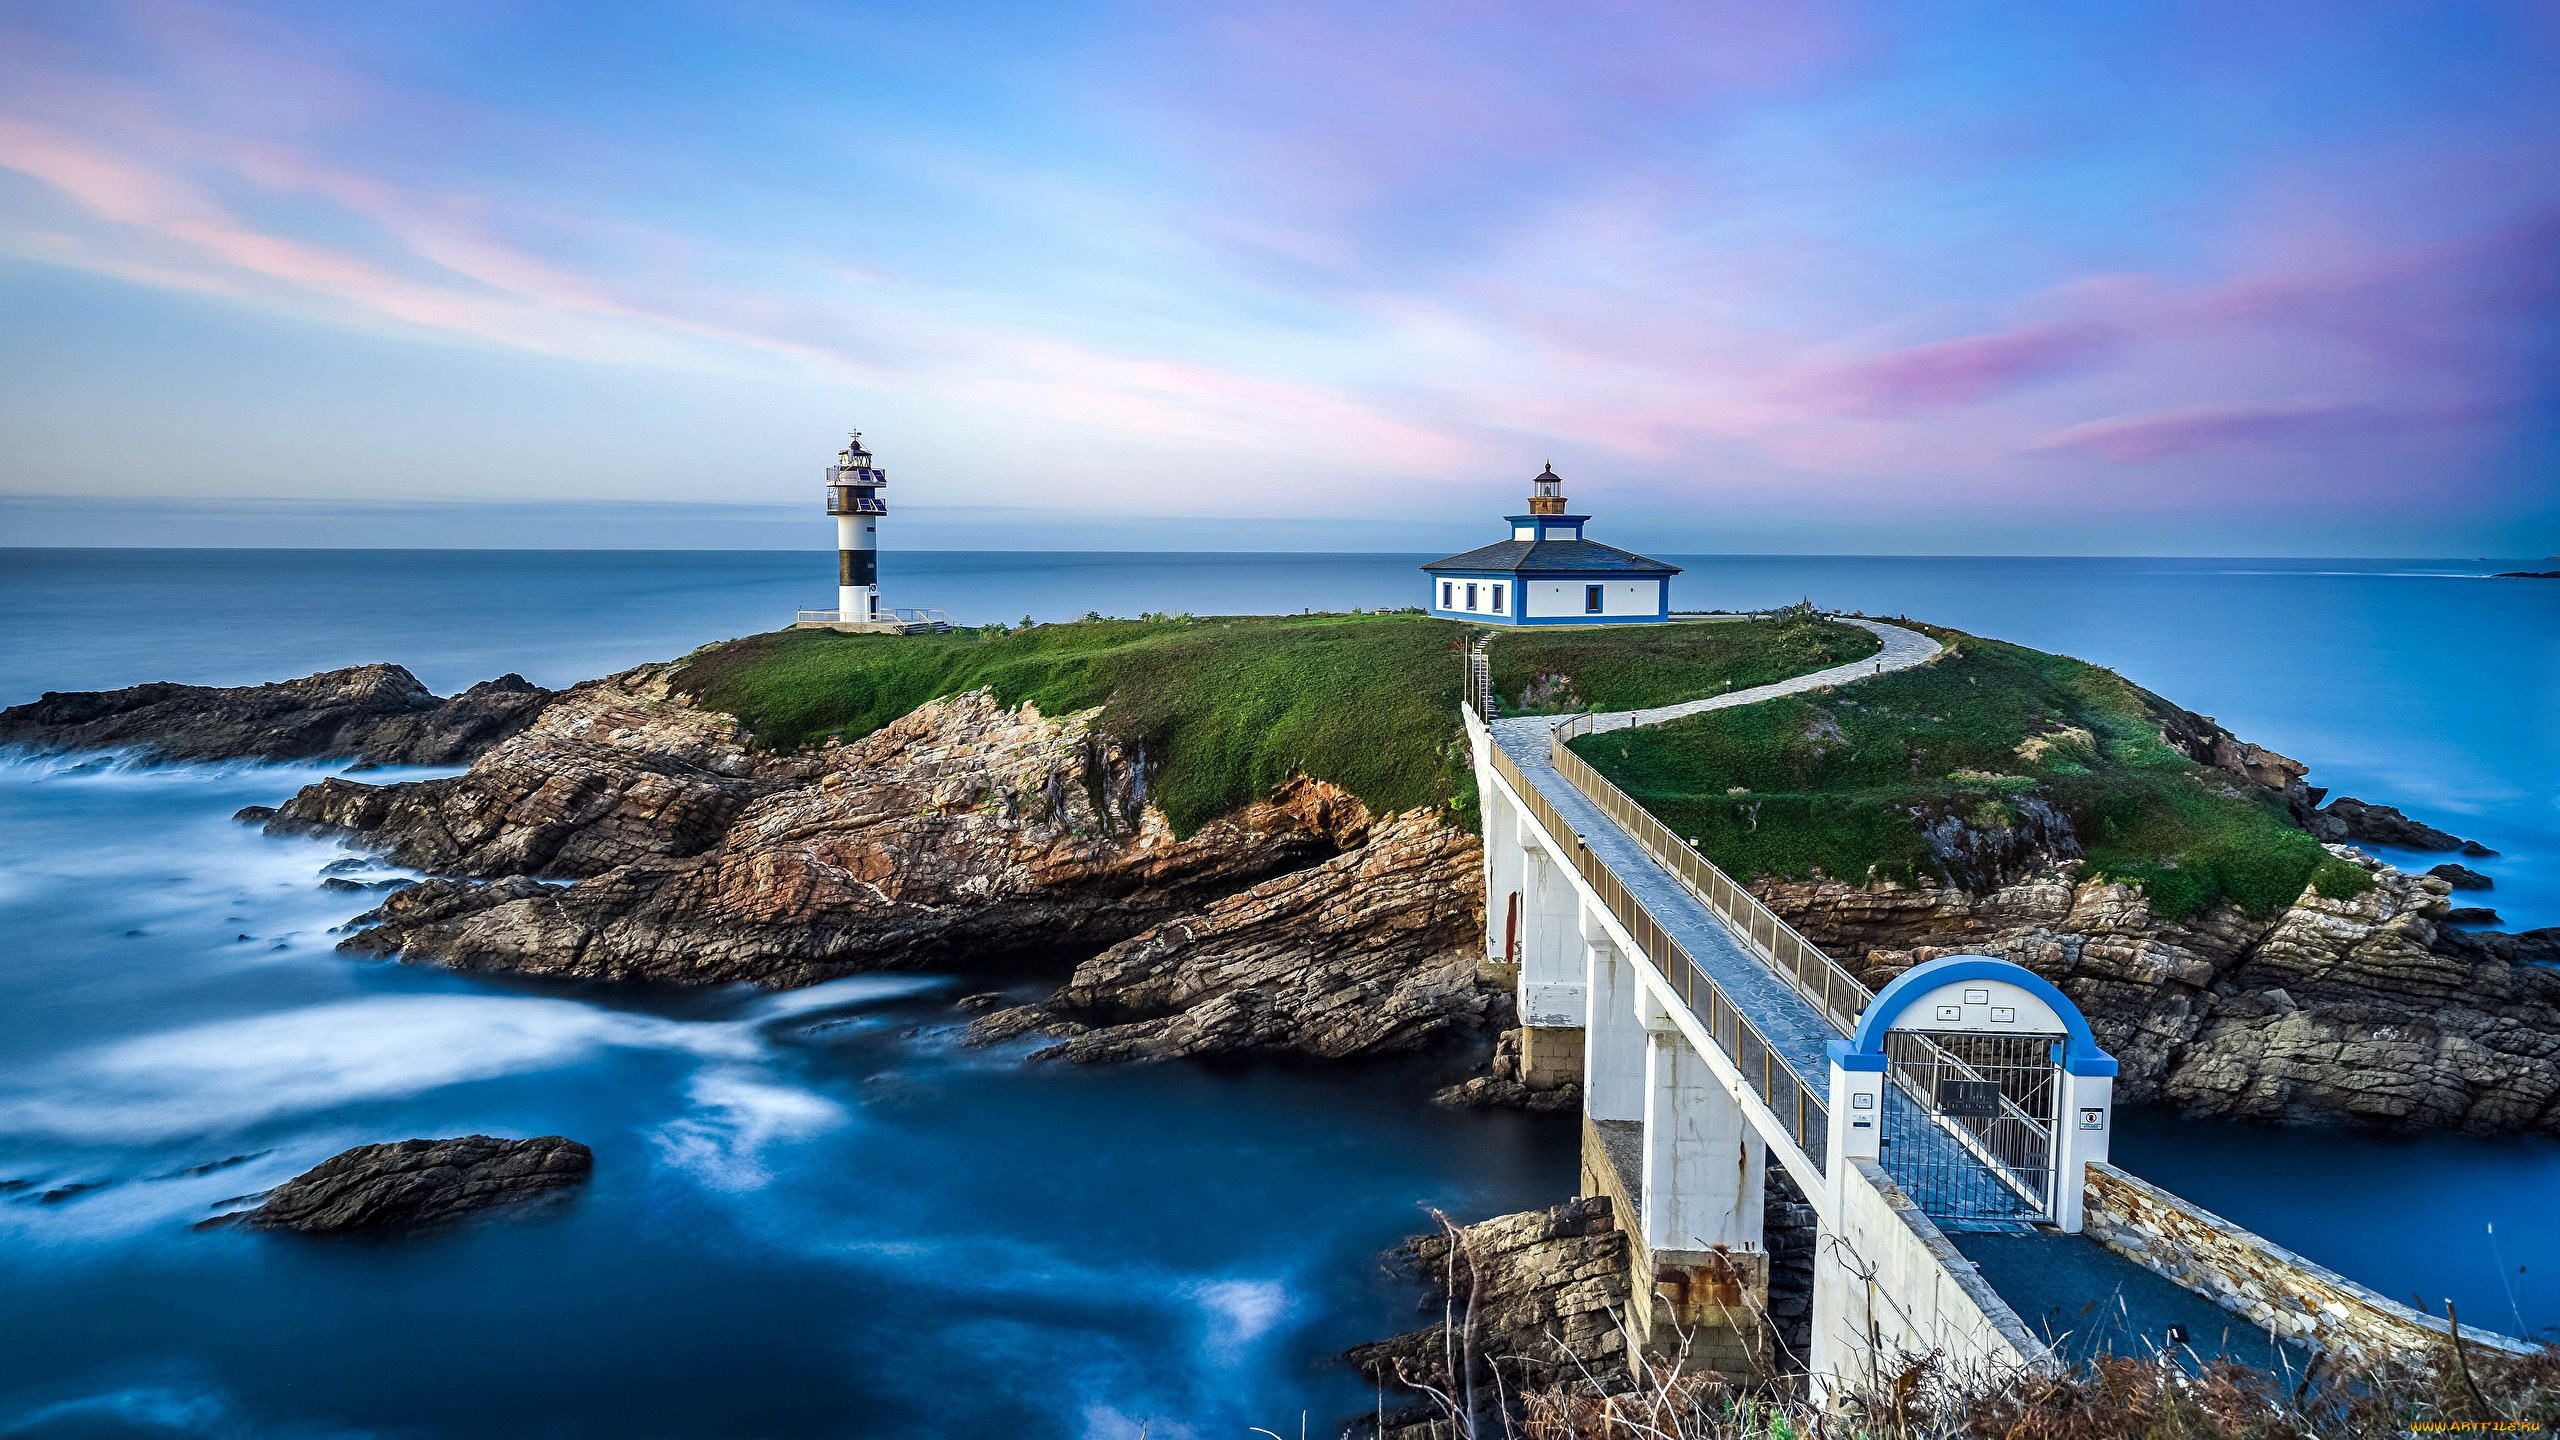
<point x="1993" y="736"/>
<point x="1537" y="670"/>
<point x="1225" y="708"/>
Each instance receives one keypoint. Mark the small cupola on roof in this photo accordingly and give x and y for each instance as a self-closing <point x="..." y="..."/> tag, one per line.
<point x="1547" y="573"/>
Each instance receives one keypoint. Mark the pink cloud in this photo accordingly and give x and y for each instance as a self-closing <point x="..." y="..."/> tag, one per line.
<point x="1964" y="371"/>
<point x="2129" y="439"/>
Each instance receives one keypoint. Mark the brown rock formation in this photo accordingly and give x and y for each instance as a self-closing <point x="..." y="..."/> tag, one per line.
<point x="1536" y="1296"/>
<point x="378" y="713"/>
<point x="2358" y="1010"/>
<point x="961" y="827"/>
<point x="1371" y="952"/>
<point x="419" y="1184"/>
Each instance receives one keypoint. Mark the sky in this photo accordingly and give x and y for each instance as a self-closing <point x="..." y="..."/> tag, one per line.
<point x="1764" y="276"/>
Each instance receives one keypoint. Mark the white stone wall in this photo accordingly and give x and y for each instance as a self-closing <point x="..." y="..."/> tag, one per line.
<point x="2263" y="1283"/>
<point x="1889" y="1288"/>
<point x="1619" y="598"/>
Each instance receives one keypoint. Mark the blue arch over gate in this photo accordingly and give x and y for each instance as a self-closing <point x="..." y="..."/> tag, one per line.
<point x="1864" y="1049"/>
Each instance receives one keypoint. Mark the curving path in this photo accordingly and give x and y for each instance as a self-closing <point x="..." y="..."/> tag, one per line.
<point x="1902" y="650"/>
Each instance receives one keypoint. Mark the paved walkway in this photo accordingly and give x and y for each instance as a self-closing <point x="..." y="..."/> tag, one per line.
<point x="1902" y="650"/>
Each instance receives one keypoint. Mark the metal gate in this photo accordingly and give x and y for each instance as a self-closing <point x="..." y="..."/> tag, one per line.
<point x="1969" y="1122"/>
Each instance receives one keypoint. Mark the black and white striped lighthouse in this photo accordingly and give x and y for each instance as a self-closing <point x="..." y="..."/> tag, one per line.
<point x="853" y="497"/>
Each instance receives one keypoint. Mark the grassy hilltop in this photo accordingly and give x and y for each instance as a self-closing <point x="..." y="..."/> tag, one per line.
<point x="1225" y="707"/>
<point x="1850" y="782"/>
<point x="1990" y="737"/>
<point x="1228" y="707"/>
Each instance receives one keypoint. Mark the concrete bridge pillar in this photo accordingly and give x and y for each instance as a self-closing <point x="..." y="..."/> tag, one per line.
<point x="1613" y="1038"/>
<point x="1705" y="1176"/>
<point x="1551" y="995"/>
<point x="1503" y="873"/>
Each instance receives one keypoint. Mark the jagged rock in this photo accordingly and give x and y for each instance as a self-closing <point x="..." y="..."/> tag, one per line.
<point x="1371" y="952"/>
<point x="2524" y="947"/>
<point x="1537" y="1295"/>
<point x="2363" y="1010"/>
<point x="962" y="827"/>
<point x="413" y="1184"/>
<point x="2472" y="915"/>
<point x="2347" y="820"/>
<point x="2462" y="877"/>
<point x="1502" y="1088"/>
<point x="615" y="771"/>
<point x="376" y="713"/>
<point x="1485" y="1092"/>
<point x="983" y="1000"/>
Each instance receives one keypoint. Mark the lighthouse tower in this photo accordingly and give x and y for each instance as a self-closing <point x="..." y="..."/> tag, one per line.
<point x="853" y="497"/>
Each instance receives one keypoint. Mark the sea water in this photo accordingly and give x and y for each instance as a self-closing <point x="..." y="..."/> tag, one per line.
<point x="814" y="1213"/>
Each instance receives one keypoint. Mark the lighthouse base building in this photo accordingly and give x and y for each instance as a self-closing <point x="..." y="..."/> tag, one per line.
<point x="1548" y="574"/>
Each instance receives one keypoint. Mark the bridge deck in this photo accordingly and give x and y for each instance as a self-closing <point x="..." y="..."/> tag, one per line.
<point x="2086" y="1300"/>
<point x="1795" y="1030"/>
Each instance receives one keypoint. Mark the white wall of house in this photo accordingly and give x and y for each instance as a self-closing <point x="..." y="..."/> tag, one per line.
<point x="1618" y="598"/>
<point x="1484" y="601"/>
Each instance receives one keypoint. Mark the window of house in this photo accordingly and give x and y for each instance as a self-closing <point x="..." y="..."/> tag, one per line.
<point x="1471" y="596"/>
<point x="1497" y="599"/>
<point x="1591" y="599"/>
<point x="1445" y="587"/>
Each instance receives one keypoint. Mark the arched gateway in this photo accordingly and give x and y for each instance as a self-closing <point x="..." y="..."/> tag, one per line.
<point x="1979" y="1089"/>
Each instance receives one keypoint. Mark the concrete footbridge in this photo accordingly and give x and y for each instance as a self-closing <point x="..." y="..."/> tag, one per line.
<point x="1949" y="1132"/>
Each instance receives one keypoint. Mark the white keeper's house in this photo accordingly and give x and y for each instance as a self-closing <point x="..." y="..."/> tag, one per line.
<point x="1547" y="574"/>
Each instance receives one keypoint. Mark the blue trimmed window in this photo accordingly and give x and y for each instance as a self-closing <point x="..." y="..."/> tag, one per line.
<point x="1591" y="599"/>
<point x="1497" y="599"/>
<point x="1446" y="586"/>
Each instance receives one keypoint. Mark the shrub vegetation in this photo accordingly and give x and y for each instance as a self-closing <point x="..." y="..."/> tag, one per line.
<point x="1539" y="670"/>
<point x="1991" y="735"/>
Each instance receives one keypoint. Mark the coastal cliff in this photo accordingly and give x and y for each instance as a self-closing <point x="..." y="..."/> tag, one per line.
<point x="961" y="827"/>
<point x="2364" y="1009"/>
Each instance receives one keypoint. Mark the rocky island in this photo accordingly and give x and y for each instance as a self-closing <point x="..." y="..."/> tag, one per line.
<point x="1258" y="835"/>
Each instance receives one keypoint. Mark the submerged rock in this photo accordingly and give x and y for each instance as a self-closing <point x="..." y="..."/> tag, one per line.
<point x="2462" y="877"/>
<point x="413" y="1184"/>
<point x="376" y="713"/>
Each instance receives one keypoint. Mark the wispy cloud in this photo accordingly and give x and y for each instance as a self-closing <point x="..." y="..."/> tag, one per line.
<point x="1339" y="255"/>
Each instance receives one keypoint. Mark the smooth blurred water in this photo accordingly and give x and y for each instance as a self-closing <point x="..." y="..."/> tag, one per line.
<point x="812" y="1214"/>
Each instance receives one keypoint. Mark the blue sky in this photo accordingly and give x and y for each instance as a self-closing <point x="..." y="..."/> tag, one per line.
<point x="2223" y="278"/>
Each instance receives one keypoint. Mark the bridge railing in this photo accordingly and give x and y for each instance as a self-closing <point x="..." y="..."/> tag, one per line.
<point x="1801" y="963"/>
<point x="1798" y="1105"/>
